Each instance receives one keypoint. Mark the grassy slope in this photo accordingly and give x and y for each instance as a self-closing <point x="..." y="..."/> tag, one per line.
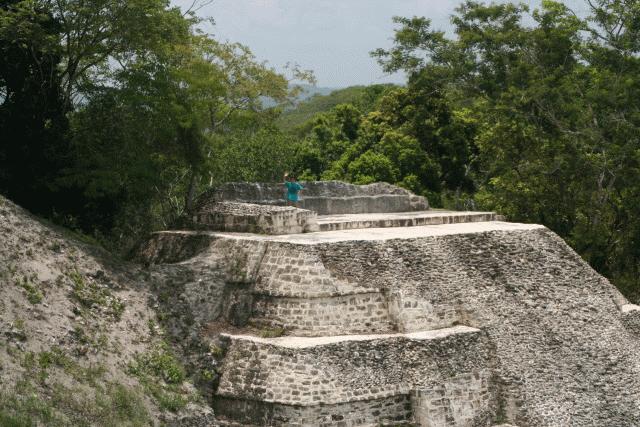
<point x="80" y="344"/>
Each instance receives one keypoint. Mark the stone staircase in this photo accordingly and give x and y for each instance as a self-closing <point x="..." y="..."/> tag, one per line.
<point x="428" y="318"/>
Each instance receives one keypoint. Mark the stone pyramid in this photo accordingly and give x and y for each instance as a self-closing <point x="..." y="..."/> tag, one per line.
<point x="407" y="317"/>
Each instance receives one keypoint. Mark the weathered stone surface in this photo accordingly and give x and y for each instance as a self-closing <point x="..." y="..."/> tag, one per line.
<point x="401" y="219"/>
<point x="386" y="411"/>
<point x="444" y="373"/>
<point x="561" y="344"/>
<point x="323" y="197"/>
<point x="352" y="313"/>
<point x="253" y="218"/>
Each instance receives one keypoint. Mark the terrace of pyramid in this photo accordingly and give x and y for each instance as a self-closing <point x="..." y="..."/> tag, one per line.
<point x="391" y="313"/>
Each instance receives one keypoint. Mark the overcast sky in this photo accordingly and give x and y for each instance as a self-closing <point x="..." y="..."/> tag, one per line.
<point x="331" y="37"/>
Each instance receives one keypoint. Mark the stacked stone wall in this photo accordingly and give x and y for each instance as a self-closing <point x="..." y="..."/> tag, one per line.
<point x="445" y="218"/>
<point x="631" y="318"/>
<point x="167" y="247"/>
<point x="349" y="369"/>
<point x="348" y="314"/>
<point x="289" y="270"/>
<point x="363" y="204"/>
<point x="392" y="410"/>
<point x="462" y="401"/>
<point x="411" y="313"/>
<point x="444" y="376"/>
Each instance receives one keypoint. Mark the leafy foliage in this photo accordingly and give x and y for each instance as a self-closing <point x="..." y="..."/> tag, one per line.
<point x="362" y="97"/>
<point x="557" y="116"/>
<point x="413" y="138"/>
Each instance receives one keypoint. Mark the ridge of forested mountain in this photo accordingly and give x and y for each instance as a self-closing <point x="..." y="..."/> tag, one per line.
<point x="362" y="96"/>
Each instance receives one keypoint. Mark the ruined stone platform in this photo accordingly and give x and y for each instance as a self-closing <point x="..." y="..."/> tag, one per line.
<point x="371" y="234"/>
<point x="428" y="318"/>
<point x="294" y="288"/>
<point x="314" y="381"/>
<point x="253" y="218"/>
<point x="322" y="197"/>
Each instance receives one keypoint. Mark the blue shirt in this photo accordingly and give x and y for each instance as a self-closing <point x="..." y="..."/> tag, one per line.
<point x="292" y="190"/>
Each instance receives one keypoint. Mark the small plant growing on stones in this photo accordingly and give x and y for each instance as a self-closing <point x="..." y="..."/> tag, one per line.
<point x="272" y="332"/>
<point x="216" y="351"/>
<point x="159" y="363"/>
<point x="91" y="295"/>
<point x="55" y="247"/>
<point x="17" y="331"/>
<point x="236" y="268"/>
<point x="161" y="375"/>
<point x="34" y="295"/>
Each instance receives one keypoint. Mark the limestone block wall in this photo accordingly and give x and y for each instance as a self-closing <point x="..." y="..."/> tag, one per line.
<point x="631" y="318"/>
<point x="346" y="314"/>
<point x="291" y="287"/>
<point x="291" y="270"/>
<point x="364" y="204"/>
<point x="328" y="370"/>
<point x="166" y="247"/>
<point x="304" y="293"/>
<point x="392" y="410"/>
<point x="410" y="312"/>
<point x="443" y="368"/>
<point x="404" y="221"/>
<point x="459" y="401"/>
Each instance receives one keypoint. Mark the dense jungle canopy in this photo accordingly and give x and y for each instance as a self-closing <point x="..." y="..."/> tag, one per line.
<point x="114" y="115"/>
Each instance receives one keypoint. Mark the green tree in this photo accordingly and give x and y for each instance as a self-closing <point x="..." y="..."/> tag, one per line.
<point x="555" y="116"/>
<point x="32" y="112"/>
<point x="174" y="113"/>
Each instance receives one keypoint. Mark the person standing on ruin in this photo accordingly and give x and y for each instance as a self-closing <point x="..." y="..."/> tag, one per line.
<point x="293" y="189"/>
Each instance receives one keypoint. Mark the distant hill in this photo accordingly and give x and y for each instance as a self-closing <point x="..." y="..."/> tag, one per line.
<point x="308" y="91"/>
<point x="324" y="99"/>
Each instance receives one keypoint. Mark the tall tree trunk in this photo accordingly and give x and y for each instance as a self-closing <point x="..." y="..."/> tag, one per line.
<point x="191" y="192"/>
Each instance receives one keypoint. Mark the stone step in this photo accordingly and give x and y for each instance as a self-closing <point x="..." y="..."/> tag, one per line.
<point x="438" y="377"/>
<point x="401" y="219"/>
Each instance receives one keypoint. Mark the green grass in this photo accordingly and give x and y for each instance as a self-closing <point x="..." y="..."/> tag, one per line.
<point x="89" y="401"/>
<point x="161" y="374"/>
<point x="25" y="411"/>
<point x="159" y="363"/>
<point x="34" y="295"/>
<point x="272" y="332"/>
